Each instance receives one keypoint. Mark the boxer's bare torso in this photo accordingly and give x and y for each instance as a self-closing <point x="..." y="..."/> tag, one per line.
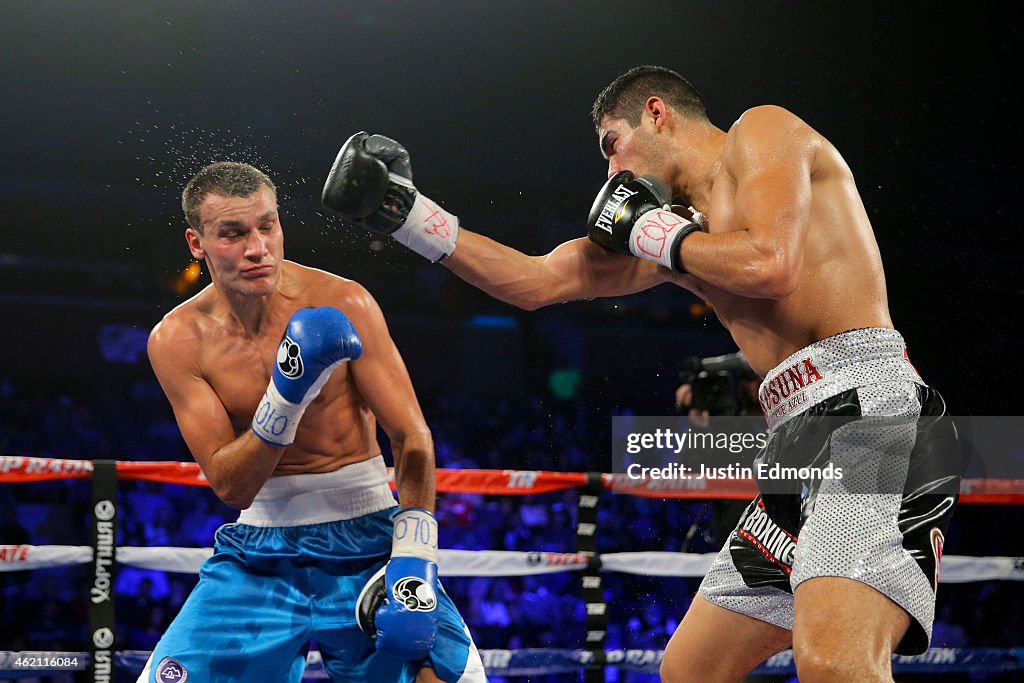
<point x="840" y="283"/>
<point x="783" y="192"/>
<point x="337" y="428"/>
<point x="214" y="355"/>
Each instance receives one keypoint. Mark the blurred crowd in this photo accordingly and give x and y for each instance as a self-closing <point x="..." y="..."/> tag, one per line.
<point x="45" y="609"/>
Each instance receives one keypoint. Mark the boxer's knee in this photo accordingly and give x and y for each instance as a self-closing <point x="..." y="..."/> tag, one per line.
<point x="821" y="663"/>
<point x="680" y="665"/>
<point x="830" y="655"/>
<point x="669" y="672"/>
<point x="717" y="645"/>
<point x="845" y="630"/>
<point x="682" y="671"/>
<point x="674" y="671"/>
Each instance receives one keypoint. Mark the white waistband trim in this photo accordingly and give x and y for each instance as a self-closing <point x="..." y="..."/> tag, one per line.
<point x="831" y="366"/>
<point x="298" y="499"/>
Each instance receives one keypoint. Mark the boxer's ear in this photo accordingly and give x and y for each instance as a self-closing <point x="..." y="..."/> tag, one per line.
<point x="657" y="110"/>
<point x="193" y="238"/>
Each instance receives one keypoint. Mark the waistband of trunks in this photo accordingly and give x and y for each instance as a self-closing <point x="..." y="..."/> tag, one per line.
<point x="831" y="366"/>
<point x="298" y="499"/>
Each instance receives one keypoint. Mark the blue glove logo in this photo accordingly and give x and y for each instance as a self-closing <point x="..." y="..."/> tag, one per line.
<point x="415" y="594"/>
<point x="289" y="359"/>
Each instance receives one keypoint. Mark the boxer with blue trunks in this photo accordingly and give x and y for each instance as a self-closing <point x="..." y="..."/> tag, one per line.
<point x="278" y="375"/>
<point x="297" y="560"/>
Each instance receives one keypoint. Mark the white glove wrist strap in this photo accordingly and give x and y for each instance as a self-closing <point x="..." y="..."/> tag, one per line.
<point x="655" y="237"/>
<point x="276" y="419"/>
<point x="429" y="230"/>
<point x="415" y="534"/>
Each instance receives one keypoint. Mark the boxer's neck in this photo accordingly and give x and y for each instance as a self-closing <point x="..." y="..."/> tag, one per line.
<point x="249" y="312"/>
<point x="698" y="150"/>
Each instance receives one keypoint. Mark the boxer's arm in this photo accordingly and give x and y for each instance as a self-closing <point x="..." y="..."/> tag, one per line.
<point x="236" y="467"/>
<point x="577" y="269"/>
<point x="370" y="186"/>
<point x="405" y="622"/>
<point x="383" y="381"/>
<point x="770" y="159"/>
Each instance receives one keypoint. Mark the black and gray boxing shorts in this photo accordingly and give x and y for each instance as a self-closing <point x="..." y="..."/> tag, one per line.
<point x="852" y="401"/>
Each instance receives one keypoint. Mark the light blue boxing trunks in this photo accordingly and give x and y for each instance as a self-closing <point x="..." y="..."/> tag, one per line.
<point x="288" y="573"/>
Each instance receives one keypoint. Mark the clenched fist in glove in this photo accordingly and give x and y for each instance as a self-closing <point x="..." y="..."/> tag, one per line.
<point x="370" y="186"/>
<point x="634" y="216"/>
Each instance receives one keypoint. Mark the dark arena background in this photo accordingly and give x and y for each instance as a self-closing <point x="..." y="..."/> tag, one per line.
<point x="109" y="107"/>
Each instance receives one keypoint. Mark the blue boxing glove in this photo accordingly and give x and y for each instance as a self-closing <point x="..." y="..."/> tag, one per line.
<point x="405" y="623"/>
<point x="316" y="341"/>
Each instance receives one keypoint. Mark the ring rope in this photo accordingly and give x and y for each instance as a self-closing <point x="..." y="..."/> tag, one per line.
<point x="522" y="662"/>
<point x="485" y="563"/>
<point x="23" y="469"/>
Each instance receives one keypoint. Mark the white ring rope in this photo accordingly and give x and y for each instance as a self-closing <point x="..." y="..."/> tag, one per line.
<point x="955" y="568"/>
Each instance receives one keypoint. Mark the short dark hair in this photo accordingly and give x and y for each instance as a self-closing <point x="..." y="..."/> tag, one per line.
<point x="624" y="97"/>
<point x="224" y="178"/>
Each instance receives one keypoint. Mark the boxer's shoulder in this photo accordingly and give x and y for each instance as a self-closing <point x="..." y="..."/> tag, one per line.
<point x="315" y="287"/>
<point x="764" y="117"/>
<point x="185" y="321"/>
<point x="312" y="284"/>
<point x="189" y="331"/>
<point x="176" y="339"/>
<point x="766" y="127"/>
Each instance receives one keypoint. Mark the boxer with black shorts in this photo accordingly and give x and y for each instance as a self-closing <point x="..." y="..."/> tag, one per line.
<point x="778" y="241"/>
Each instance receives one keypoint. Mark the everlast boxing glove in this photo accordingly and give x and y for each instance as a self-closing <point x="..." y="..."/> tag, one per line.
<point x="633" y="216"/>
<point x="370" y="185"/>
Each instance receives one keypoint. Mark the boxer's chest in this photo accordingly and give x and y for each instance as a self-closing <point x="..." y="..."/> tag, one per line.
<point x="239" y="373"/>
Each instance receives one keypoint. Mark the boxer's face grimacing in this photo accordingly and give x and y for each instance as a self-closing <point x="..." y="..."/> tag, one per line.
<point x="241" y="241"/>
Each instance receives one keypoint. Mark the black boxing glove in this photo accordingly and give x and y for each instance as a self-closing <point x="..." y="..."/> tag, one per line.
<point x="370" y="186"/>
<point x="634" y="216"/>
